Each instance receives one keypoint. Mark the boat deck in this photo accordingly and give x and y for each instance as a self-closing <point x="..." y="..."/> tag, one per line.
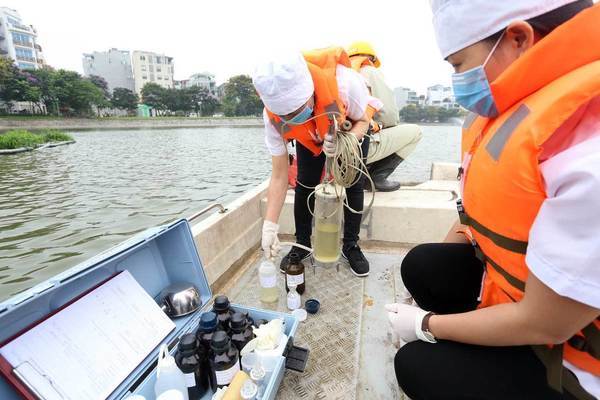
<point x="351" y="349"/>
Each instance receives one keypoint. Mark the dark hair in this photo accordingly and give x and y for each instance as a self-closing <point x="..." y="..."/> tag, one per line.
<point x="546" y="23"/>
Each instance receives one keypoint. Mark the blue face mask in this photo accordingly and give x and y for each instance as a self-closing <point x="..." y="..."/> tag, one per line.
<point x="472" y="89"/>
<point x="301" y="117"/>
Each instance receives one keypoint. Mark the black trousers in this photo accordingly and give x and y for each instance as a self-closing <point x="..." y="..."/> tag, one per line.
<point x="310" y="169"/>
<point x="446" y="278"/>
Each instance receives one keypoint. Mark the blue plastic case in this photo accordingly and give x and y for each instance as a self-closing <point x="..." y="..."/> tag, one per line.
<point x="156" y="258"/>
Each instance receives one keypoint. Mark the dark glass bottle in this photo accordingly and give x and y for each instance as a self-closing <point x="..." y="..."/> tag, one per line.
<point x="248" y="318"/>
<point x="294" y="274"/>
<point x="206" y="328"/>
<point x="191" y="358"/>
<point x="224" y="360"/>
<point x="241" y="332"/>
<point x="221" y="308"/>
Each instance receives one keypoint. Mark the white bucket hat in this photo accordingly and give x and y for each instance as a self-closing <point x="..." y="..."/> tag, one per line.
<point x="285" y="84"/>
<point x="461" y="23"/>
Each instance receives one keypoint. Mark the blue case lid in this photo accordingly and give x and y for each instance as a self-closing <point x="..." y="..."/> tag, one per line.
<point x="156" y="258"/>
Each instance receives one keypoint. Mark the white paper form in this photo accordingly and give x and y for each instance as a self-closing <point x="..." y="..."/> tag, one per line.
<point x="86" y="350"/>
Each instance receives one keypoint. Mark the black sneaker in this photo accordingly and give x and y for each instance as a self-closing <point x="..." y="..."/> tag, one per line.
<point x="359" y="265"/>
<point x="303" y="254"/>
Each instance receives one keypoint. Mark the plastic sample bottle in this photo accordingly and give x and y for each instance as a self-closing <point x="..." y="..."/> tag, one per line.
<point x="168" y="376"/>
<point x="294" y="274"/>
<point x="191" y="359"/>
<point x="294" y="300"/>
<point x="206" y="328"/>
<point x="241" y="332"/>
<point x="224" y="360"/>
<point x="249" y="390"/>
<point x="328" y="222"/>
<point x="267" y="276"/>
<point x="221" y="308"/>
<point x="258" y="375"/>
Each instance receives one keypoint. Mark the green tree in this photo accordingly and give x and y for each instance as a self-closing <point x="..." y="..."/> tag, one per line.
<point x="154" y="96"/>
<point x="101" y="84"/>
<point x="16" y="85"/>
<point x="124" y="99"/>
<point x="410" y="113"/>
<point x="240" y="97"/>
<point x="201" y="101"/>
<point x="444" y="114"/>
<point x="45" y="82"/>
<point x="76" y="95"/>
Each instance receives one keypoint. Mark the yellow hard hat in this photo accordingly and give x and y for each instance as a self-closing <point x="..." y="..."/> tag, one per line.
<point x="363" y="48"/>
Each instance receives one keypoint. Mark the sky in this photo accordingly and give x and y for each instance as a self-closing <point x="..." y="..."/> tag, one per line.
<point x="230" y="37"/>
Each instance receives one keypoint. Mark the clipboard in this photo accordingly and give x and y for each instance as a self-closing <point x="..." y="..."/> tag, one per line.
<point x="8" y="371"/>
<point x="58" y="359"/>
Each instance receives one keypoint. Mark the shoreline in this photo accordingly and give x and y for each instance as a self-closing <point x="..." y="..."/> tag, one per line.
<point x="69" y="124"/>
<point x="43" y="146"/>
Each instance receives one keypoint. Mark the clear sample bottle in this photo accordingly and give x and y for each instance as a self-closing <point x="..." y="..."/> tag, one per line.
<point x="258" y="375"/>
<point x="224" y="360"/>
<point x="267" y="276"/>
<point x="168" y="376"/>
<point x="294" y="274"/>
<point x="191" y="358"/>
<point x="328" y="222"/>
<point x="294" y="300"/>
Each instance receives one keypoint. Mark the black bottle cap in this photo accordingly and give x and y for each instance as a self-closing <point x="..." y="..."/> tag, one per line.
<point x="238" y="321"/>
<point x="188" y="342"/>
<point x="221" y="303"/>
<point x="220" y="341"/>
<point x="294" y="258"/>
<point x="208" y="322"/>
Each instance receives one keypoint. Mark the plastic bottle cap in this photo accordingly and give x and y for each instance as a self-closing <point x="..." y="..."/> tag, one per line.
<point x="208" y="321"/>
<point x="300" y="313"/>
<point x="221" y="303"/>
<point x="188" y="342"/>
<point x="220" y="341"/>
<point x="267" y="267"/>
<point x="249" y="390"/>
<point x="238" y="321"/>
<point x="294" y="258"/>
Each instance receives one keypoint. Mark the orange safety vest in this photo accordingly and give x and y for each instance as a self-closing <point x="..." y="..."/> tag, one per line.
<point x="503" y="186"/>
<point x="322" y="64"/>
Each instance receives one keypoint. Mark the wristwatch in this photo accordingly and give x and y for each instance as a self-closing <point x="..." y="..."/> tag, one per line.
<point x="427" y="335"/>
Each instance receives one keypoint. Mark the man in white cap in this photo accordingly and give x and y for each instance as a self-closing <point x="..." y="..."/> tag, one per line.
<point x="302" y="93"/>
<point x="510" y="308"/>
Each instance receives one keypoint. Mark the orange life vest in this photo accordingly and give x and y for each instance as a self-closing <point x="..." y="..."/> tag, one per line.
<point x="322" y="64"/>
<point x="503" y="186"/>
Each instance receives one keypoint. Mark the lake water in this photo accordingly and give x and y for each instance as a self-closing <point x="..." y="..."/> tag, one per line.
<point x="62" y="205"/>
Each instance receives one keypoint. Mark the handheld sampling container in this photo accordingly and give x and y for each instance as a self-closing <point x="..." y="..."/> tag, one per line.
<point x="329" y="207"/>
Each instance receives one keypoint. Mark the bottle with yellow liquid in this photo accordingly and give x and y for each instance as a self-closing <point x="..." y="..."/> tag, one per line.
<point x="267" y="276"/>
<point x="329" y="206"/>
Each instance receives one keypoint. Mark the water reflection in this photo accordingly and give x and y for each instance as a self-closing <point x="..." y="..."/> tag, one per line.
<point x="63" y="205"/>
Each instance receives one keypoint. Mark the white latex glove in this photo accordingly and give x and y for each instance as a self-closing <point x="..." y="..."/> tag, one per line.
<point x="329" y="145"/>
<point x="406" y="321"/>
<point x="270" y="241"/>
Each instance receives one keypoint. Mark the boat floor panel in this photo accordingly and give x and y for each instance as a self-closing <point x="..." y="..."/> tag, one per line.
<point x="351" y="349"/>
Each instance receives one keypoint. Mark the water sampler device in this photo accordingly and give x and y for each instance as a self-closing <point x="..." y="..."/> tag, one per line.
<point x="330" y="197"/>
